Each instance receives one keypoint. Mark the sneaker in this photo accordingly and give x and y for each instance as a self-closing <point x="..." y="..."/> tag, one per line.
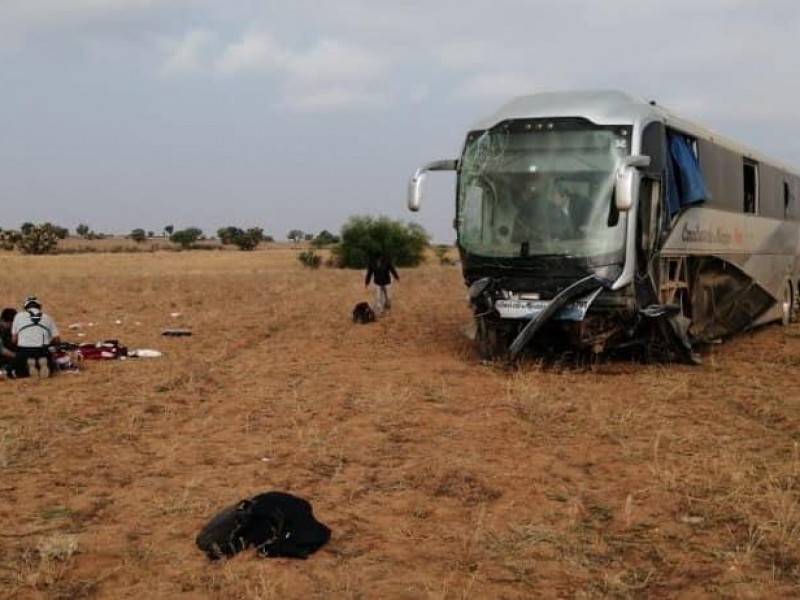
<point x="44" y="368"/>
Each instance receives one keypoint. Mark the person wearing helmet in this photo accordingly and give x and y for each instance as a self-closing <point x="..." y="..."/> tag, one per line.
<point x="33" y="331"/>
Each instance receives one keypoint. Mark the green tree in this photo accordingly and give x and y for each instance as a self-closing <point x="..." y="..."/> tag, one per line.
<point x="82" y="230"/>
<point x="228" y="234"/>
<point x="186" y="237"/>
<point x="250" y="239"/>
<point x="169" y="230"/>
<point x="244" y="240"/>
<point x="40" y="239"/>
<point x="364" y="236"/>
<point x="61" y="232"/>
<point x="325" y="238"/>
<point x="295" y="235"/>
<point x="9" y="239"/>
<point x="26" y="227"/>
<point x="138" y="235"/>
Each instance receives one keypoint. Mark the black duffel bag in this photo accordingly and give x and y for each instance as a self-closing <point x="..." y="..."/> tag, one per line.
<point x="276" y="524"/>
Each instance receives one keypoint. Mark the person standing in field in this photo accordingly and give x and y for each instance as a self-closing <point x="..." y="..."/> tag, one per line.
<point x="8" y="353"/>
<point x="33" y="331"/>
<point x="380" y="271"/>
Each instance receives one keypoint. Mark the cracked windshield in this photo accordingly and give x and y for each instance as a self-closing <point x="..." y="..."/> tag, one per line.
<point x="541" y="188"/>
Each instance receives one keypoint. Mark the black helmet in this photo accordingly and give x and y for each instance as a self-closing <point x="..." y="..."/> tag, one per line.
<point x="32" y="302"/>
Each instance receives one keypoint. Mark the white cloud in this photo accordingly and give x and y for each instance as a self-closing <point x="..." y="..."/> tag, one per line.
<point x="328" y="75"/>
<point x="325" y="99"/>
<point x="418" y="93"/>
<point x="497" y="86"/>
<point x="59" y="26"/>
<point x="31" y="15"/>
<point x="332" y="60"/>
<point x="255" y="51"/>
<point x="328" y="60"/>
<point x="186" y="54"/>
<point x="466" y="54"/>
<point x="385" y="19"/>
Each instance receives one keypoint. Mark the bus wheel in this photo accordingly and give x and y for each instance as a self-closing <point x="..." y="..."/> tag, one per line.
<point x="787" y="304"/>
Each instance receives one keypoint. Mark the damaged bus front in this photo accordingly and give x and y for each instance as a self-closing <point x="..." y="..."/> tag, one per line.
<point x="562" y="215"/>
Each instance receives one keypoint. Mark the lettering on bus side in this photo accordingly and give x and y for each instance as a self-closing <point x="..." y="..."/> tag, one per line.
<point x="719" y="235"/>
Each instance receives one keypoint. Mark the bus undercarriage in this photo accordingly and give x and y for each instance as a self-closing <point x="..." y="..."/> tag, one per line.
<point x="698" y="300"/>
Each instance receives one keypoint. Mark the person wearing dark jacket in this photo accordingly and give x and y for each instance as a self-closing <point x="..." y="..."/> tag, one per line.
<point x="8" y="352"/>
<point x="380" y="271"/>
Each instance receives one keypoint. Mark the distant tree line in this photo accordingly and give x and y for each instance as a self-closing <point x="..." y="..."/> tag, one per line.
<point x="360" y="239"/>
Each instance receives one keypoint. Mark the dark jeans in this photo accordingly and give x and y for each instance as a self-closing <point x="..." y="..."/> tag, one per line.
<point x="23" y="354"/>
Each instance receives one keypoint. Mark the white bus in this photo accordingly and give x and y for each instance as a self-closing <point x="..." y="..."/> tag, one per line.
<point x="595" y="220"/>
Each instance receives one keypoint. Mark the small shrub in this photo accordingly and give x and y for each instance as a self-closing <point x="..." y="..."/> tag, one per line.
<point x="310" y="259"/>
<point x="442" y="253"/>
<point x="58" y="547"/>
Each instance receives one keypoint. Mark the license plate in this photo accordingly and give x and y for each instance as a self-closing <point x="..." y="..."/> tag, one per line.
<point x="520" y="309"/>
<point x="528" y="309"/>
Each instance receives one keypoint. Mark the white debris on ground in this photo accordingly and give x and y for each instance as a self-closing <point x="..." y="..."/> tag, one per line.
<point x="144" y="353"/>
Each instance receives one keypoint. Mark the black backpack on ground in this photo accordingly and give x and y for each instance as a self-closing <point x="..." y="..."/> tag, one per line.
<point x="276" y="524"/>
<point x="363" y="313"/>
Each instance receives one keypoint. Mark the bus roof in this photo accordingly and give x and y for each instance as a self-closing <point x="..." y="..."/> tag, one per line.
<point x="611" y="107"/>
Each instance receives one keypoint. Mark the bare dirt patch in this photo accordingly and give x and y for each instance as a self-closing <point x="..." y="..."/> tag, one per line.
<point x="440" y="477"/>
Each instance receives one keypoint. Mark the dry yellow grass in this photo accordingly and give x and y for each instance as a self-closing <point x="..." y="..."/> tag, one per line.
<point x="440" y="477"/>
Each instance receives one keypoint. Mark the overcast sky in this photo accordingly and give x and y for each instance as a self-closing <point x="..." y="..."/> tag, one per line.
<point x="297" y="114"/>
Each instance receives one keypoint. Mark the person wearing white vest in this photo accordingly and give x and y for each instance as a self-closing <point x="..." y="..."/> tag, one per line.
<point x="33" y="332"/>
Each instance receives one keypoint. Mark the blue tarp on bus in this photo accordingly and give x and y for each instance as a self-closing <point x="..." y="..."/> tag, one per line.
<point x="685" y="183"/>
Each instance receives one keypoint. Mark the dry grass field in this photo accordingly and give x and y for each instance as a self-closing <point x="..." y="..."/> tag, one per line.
<point x="441" y="478"/>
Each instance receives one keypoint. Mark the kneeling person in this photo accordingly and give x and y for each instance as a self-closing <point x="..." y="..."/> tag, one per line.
<point x="33" y="332"/>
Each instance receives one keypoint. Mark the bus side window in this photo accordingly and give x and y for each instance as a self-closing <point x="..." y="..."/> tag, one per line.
<point x="750" y="172"/>
<point x="649" y="213"/>
<point x="788" y="208"/>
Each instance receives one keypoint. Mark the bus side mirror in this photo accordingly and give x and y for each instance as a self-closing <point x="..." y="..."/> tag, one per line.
<point x="627" y="180"/>
<point x="415" y="186"/>
<point x="415" y="191"/>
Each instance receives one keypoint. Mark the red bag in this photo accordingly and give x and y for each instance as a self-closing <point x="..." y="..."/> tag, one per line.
<point x="108" y="350"/>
